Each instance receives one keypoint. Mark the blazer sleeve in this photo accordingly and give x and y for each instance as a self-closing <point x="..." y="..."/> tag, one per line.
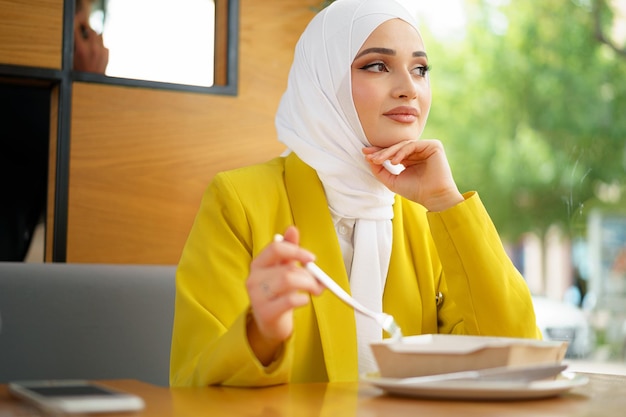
<point x="209" y="340"/>
<point x="484" y="294"/>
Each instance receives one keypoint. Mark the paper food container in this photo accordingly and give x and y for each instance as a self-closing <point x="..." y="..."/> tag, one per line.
<point x="432" y="354"/>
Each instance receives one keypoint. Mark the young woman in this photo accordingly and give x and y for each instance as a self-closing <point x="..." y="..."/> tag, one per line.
<point x="248" y="314"/>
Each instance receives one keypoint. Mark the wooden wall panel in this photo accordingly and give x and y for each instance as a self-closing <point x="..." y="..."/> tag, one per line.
<point x="140" y="158"/>
<point x="52" y="173"/>
<point x="31" y="32"/>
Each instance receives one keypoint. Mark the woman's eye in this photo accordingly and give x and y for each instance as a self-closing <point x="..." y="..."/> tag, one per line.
<point x="375" y="67"/>
<point x="421" y="70"/>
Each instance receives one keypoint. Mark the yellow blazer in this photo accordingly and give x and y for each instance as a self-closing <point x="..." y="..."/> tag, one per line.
<point x="457" y="252"/>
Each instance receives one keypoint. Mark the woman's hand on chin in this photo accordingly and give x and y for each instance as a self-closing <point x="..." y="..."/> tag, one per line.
<point x="427" y="179"/>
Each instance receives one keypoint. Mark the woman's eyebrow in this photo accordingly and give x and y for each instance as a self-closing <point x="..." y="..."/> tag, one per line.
<point x="387" y="51"/>
<point x="384" y="51"/>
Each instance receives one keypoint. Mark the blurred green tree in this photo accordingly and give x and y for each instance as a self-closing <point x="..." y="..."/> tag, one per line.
<point x="531" y="105"/>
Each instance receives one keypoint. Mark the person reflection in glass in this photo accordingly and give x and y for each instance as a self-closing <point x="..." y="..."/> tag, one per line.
<point x="90" y="54"/>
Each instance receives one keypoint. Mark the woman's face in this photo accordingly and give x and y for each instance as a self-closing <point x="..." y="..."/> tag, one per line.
<point x="390" y="85"/>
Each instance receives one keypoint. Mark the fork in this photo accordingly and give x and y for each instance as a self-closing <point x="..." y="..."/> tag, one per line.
<point x="386" y="321"/>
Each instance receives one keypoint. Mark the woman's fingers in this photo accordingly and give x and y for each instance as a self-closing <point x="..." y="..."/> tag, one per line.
<point x="282" y="252"/>
<point x="427" y="178"/>
<point x="406" y="152"/>
<point x="278" y="283"/>
<point x="274" y="294"/>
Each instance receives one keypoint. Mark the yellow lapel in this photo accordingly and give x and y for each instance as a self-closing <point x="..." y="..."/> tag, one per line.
<point x="336" y="320"/>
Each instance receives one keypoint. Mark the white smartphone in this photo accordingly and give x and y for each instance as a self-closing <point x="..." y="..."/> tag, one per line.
<point x="74" y="396"/>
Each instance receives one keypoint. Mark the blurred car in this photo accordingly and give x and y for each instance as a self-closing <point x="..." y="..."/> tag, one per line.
<point x="565" y="322"/>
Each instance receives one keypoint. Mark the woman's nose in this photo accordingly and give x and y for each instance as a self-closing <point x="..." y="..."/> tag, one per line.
<point x="406" y="86"/>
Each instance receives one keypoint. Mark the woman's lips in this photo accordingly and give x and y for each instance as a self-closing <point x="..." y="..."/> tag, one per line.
<point x="402" y="114"/>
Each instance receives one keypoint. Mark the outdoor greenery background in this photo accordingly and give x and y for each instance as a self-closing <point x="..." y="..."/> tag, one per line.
<point x="531" y="106"/>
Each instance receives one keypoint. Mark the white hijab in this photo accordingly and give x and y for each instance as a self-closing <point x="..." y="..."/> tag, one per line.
<point x="318" y="121"/>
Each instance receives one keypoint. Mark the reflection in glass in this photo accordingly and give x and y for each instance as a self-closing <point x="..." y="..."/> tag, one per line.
<point x="159" y="40"/>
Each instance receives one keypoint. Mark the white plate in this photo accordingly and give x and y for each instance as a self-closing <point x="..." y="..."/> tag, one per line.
<point x="479" y="390"/>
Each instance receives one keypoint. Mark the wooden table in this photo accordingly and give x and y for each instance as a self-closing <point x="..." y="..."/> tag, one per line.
<point x="604" y="396"/>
